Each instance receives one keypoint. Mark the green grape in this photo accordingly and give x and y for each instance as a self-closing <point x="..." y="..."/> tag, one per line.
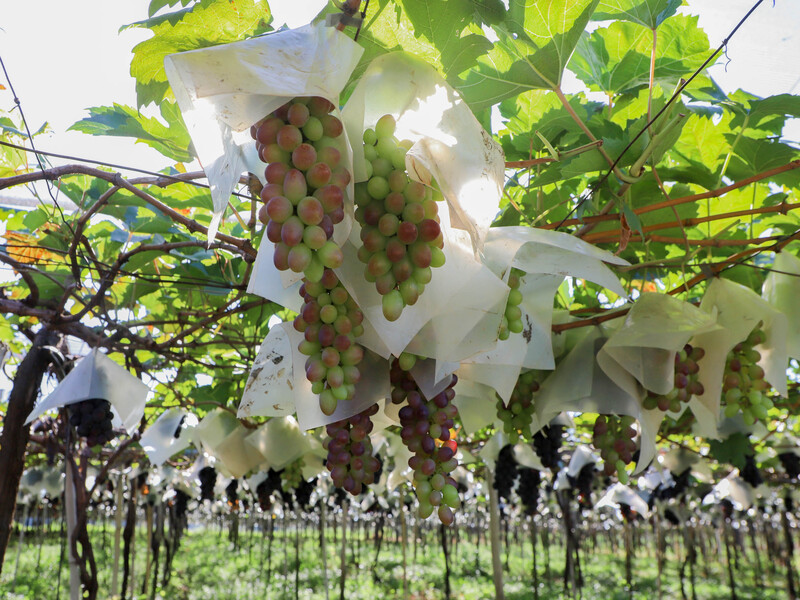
<point x="518" y="415"/>
<point x="400" y="229"/>
<point x="511" y="321"/>
<point x="744" y="389"/>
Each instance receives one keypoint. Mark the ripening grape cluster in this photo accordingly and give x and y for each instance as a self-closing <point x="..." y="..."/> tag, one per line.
<point x="302" y="493"/>
<point x="614" y="437"/>
<point x="426" y="426"/>
<point x="505" y="472"/>
<point x="330" y="321"/>
<point x="292" y="475"/>
<point x="350" y="460"/>
<point x="583" y="483"/>
<point x="181" y="504"/>
<point x="547" y="443"/>
<point x="512" y="317"/>
<point x="750" y="472"/>
<point x="518" y="415"/>
<point x="266" y="488"/>
<point x="304" y="195"/>
<point x="208" y="479"/>
<point x="744" y="388"/>
<point x="528" y="488"/>
<point x="687" y="383"/>
<point x="400" y="377"/>
<point x="790" y="463"/>
<point x="232" y="494"/>
<point x="401" y="237"/>
<point x="92" y="420"/>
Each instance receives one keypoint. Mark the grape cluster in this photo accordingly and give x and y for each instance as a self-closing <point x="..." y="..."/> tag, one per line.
<point x="304" y="194"/>
<point x="744" y="388"/>
<point x="302" y="493"/>
<point x="401" y="236"/>
<point x="266" y="488"/>
<point x="750" y="472"/>
<point x="208" y="479"/>
<point x="518" y="415"/>
<point x="583" y="483"/>
<point x="680" y="483"/>
<point x="686" y="382"/>
<point x="547" y="443"/>
<point x="292" y="475"/>
<point x="350" y="460"/>
<point x="179" y="428"/>
<point x="528" y="488"/>
<point x="181" y="503"/>
<point x="400" y="377"/>
<point x="92" y="420"/>
<point x="232" y="494"/>
<point x="330" y="321"/>
<point x="614" y="437"/>
<point x="512" y="317"/>
<point x="426" y="426"/>
<point x="505" y="472"/>
<point x="790" y="463"/>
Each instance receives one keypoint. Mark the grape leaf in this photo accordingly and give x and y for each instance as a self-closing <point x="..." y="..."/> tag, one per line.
<point x="753" y="156"/>
<point x="172" y="139"/>
<point x="207" y="23"/>
<point x="732" y="449"/>
<point x="535" y="43"/>
<point x="438" y="31"/>
<point x="650" y="13"/>
<point x="616" y="58"/>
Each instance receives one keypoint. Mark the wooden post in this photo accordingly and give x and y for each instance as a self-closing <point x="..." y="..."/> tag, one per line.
<point x="322" y="526"/>
<point x="404" y="529"/>
<point x="149" y="519"/>
<point x="70" y="506"/>
<point x="25" y="515"/>
<point x="494" y="533"/>
<point x="343" y="554"/>
<point x="119" y="498"/>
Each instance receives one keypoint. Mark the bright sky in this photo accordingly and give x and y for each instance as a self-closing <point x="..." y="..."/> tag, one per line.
<point x="75" y="58"/>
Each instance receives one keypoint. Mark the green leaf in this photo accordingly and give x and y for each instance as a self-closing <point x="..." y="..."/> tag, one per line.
<point x="650" y="13"/>
<point x="542" y="111"/>
<point x="780" y="105"/>
<point x="616" y="59"/>
<point x="172" y="139"/>
<point x="207" y="23"/>
<point x="702" y="141"/>
<point x="35" y="219"/>
<point x="156" y="5"/>
<point x="437" y="31"/>
<point x="534" y="46"/>
<point x="732" y="449"/>
<point x="752" y="156"/>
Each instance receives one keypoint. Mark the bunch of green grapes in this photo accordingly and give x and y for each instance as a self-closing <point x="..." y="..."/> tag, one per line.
<point x="304" y="194"/>
<point x="687" y="383"/>
<point x="518" y="415"/>
<point x="330" y="322"/>
<point x="614" y="437"/>
<point x="292" y="475"/>
<point x="512" y="316"/>
<point x="744" y="387"/>
<point x="401" y="236"/>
